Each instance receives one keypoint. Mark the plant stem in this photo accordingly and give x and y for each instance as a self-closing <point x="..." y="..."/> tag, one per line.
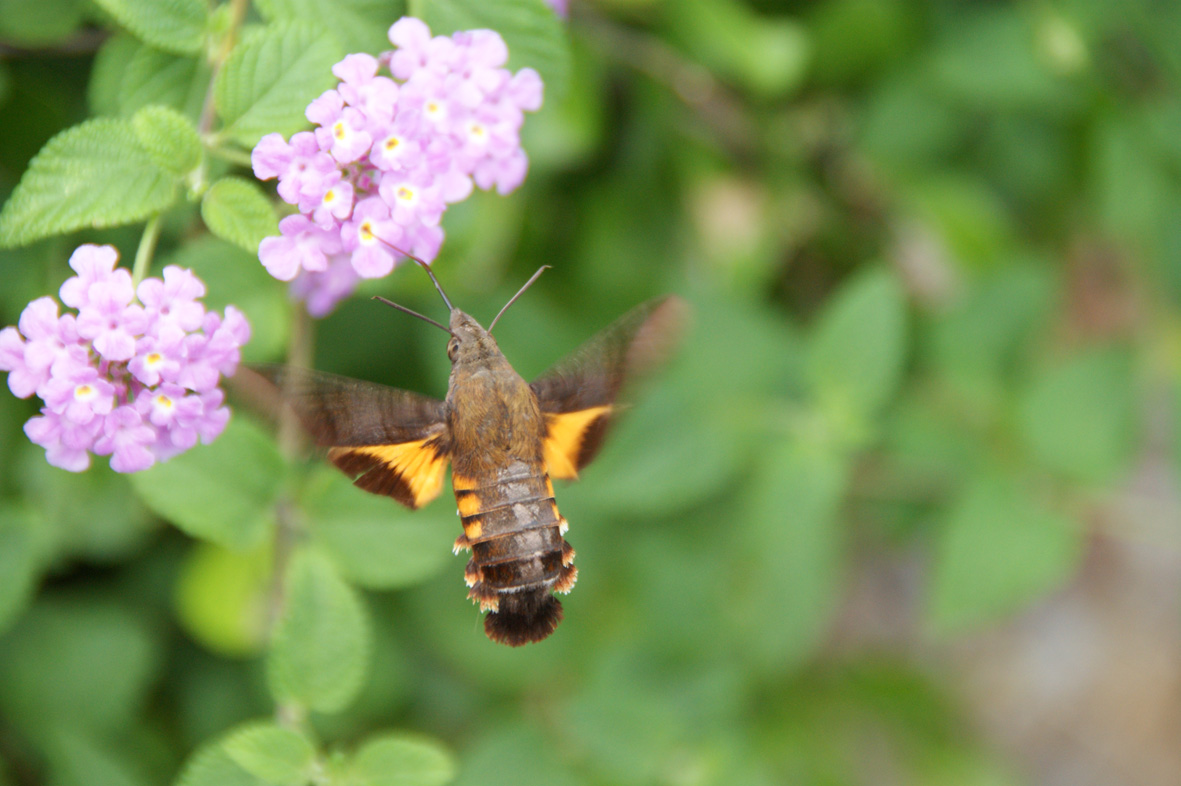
<point x="146" y="250"/>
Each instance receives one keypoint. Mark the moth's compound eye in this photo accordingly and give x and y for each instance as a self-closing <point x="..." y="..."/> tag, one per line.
<point x="452" y="349"/>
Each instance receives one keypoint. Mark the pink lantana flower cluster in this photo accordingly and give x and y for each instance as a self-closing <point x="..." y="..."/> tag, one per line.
<point x="390" y="153"/>
<point x="137" y="381"/>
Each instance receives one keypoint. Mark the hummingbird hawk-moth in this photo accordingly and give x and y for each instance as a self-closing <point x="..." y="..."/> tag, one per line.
<point x="506" y="440"/>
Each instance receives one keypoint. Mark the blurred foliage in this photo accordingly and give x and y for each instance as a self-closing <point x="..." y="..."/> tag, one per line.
<point x="935" y="268"/>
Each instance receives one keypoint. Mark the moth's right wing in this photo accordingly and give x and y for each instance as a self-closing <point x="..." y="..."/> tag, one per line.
<point x="390" y="441"/>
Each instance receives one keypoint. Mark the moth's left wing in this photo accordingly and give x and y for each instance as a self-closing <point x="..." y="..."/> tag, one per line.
<point x="391" y="441"/>
<point x="578" y="395"/>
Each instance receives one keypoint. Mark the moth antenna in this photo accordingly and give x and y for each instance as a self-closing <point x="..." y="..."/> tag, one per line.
<point x="405" y="310"/>
<point x="520" y="292"/>
<point x="429" y="272"/>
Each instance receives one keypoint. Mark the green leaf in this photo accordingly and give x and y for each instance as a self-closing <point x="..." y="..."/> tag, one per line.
<point x="794" y="568"/>
<point x="88" y="663"/>
<point x="110" y="527"/>
<point x="96" y="174"/>
<point x="169" y="138"/>
<point x="235" y="209"/>
<point x="764" y="54"/>
<point x="1129" y="179"/>
<point x="176" y="26"/>
<point x="19" y="563"/>
<point x="535" y="36"/>
<point x="39" y="24"/>
<point x="212" y="765"/>
<point x="224" y="492"/>
<point x="989" y="62"/>
<point x="980" y="336"/>
<point x="105" y="91"/>
<point x="376" y="543"/>
<point x="1078" y="418"/>
<point x="968" y="214"/>
<point x="271" y="77"/>
<point x="359" y="25"/>
<point x="272" y="753"/>
<point x="858" y="349"/>
<point x="155" y="77"/>
<point x="403" y="760"/>
<point x="999" y="550"/>
<point x="321" y="647"/>
<point x="77" y="759"/>
<point x="222" y="597"/>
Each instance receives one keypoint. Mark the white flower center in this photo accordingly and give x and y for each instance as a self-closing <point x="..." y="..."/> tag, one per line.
<point x="85" y="392"/>
<point x="365" y="234"/>
<point x="436" y="111"/>
<point x="477" y="133"/>
<point x="407" y="195"/>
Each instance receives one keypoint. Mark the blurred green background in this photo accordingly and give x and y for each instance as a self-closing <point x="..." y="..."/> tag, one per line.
<point x="904" y="510"/>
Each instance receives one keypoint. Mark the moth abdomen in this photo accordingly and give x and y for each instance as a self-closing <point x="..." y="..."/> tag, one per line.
<point x="519" y="556"/>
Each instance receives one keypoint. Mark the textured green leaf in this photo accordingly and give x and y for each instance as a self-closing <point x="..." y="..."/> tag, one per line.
<point x="403" y="760"/>
<point x="155" y="77"/>
<point x="273" y="753"/>
<point x="1079" y="418"/>
<point x="376" y="543"/>
<point x="224" y="492"/>
<point x="535" y="36"/>
<point x="176" y="26"/>
<point x="169" y="138"/>
<point x="859" y="348"/>
<point x="271" y="77"/>
<point x="212" y="766"/>
<point x="999" y="550"/>
<point x="359" y="25"/>
<point x="86" y="662"/>
<point x="321" y="647"/>
<point x="235" y="210"/>
<point x="95" y="174"/>
<point x="19" y="563"/>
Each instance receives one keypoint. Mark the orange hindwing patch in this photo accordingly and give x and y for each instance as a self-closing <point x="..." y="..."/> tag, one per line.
<point x="410" y="472"/>
<point x="565" y="435"/>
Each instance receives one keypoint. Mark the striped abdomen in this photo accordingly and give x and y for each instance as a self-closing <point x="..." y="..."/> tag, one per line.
<point x="519" y="557"/>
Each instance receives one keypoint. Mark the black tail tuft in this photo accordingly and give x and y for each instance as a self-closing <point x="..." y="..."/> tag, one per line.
<point x="523" y="617"/>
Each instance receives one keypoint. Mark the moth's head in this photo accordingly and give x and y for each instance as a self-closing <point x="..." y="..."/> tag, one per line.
<point x="469" y="340"/>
